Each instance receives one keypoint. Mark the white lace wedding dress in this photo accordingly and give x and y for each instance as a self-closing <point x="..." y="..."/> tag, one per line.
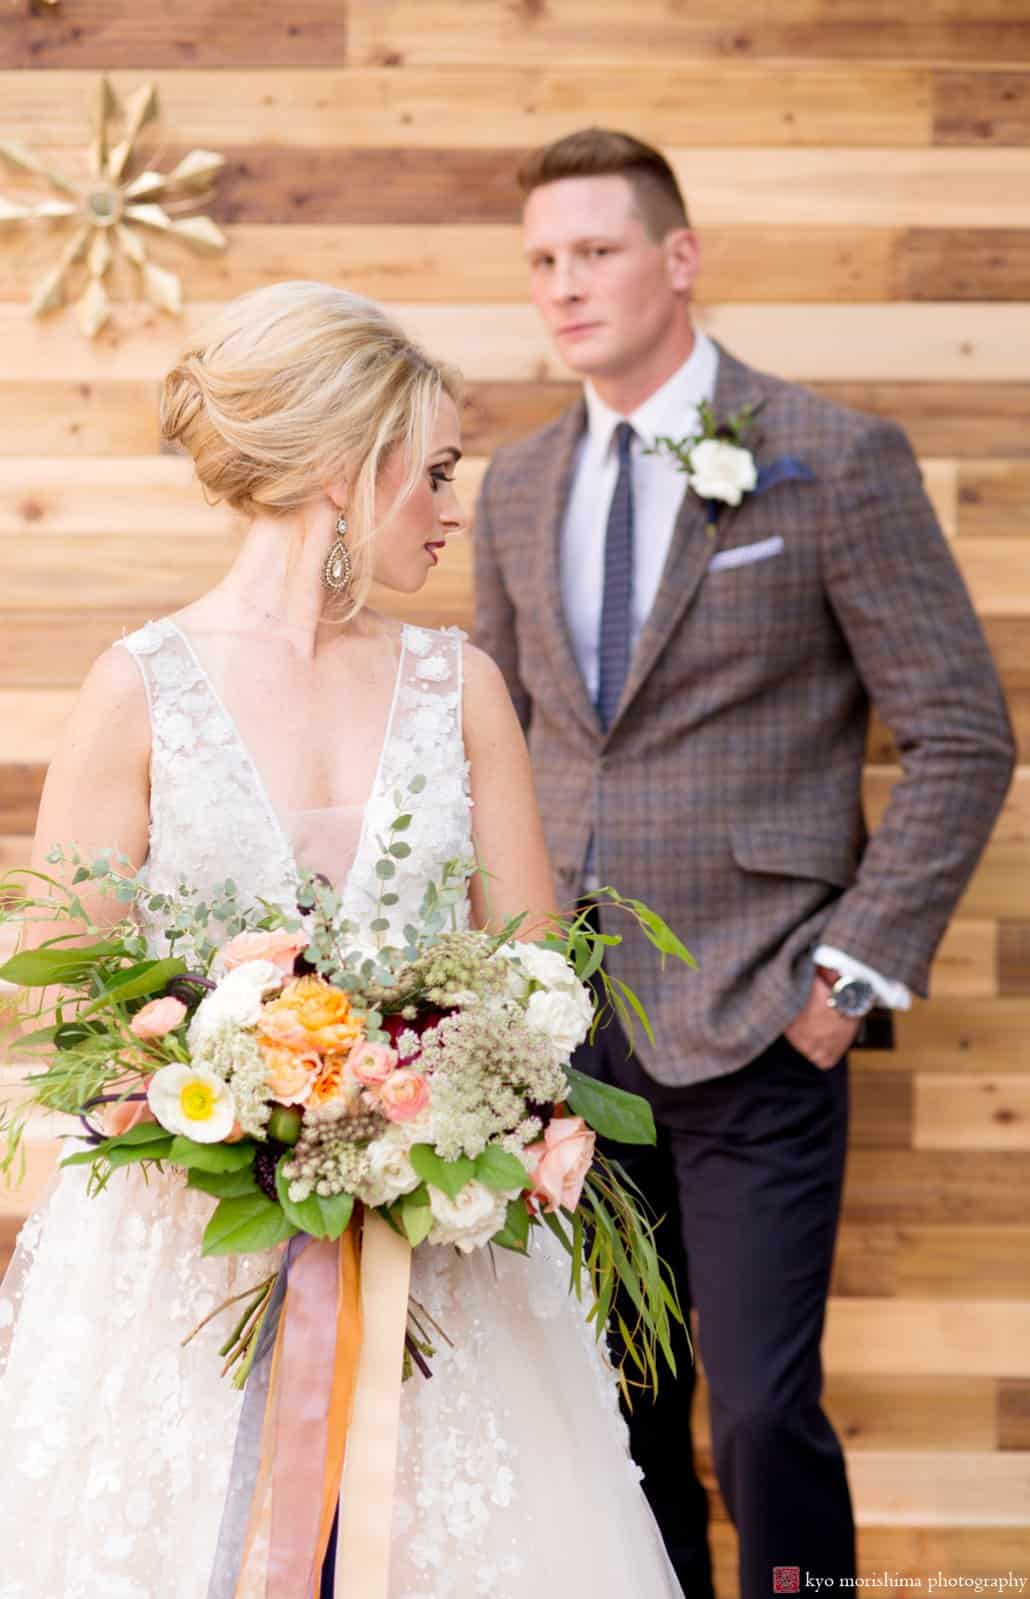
<point x="513" y="1473"/>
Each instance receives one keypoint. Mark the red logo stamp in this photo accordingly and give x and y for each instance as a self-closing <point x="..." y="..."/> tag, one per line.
<point x="786" y="1579"/>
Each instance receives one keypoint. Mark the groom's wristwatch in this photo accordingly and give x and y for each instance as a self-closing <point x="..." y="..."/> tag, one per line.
<point x="851" y="997"/>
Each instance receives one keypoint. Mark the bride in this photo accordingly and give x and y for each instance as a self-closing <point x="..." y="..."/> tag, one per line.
<point x="259" y="731"/>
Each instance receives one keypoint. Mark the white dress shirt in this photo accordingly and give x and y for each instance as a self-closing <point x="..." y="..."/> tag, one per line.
<point x="658" y="488"/>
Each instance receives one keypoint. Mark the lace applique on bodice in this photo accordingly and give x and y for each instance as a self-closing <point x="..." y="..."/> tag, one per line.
<point x="211" y="818"/>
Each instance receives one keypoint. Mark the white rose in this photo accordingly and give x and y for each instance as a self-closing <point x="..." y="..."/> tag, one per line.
<point x="236" y="1001"/>
<point x="563" y="1015"/>
<point x="390" y="1172"/>
<point x="721" y="471"/>
<point x="544" y="966"/>
<point x="469" y="1221"/>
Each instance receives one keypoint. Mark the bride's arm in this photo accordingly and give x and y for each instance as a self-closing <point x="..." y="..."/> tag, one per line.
<point x="506" y="826"/>
<point x="97" y="790"/>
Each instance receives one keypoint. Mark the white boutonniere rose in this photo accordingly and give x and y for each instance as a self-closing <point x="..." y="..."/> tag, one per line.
<point x="721" y="471"/>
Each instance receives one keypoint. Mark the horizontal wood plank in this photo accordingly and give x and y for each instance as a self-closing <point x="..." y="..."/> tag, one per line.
<point x="882" y="1109"/>
<point x="483" y="262"/>
<point x="751" y="186"/>
<point x="956" y="420"/>
<point x="932" y="1261"/>
<point x="975" y="108"/>
<point x="197" y="33"/>
<point x="403" y="33"/>
<point x="1013" y="1414"/>
<point x="820" y="343"/>
<point x="960" y="264"/>
<point x="497" y="105"/>
<point x="962" y="1262"/>
<point x="942" y="1487"/>
<point x="994" y="502"/>
<point x="947" y="1034"/>
<point x="1014" y="957"/>
<point x="901" y="1187"/>
<point x="981" y="1112"/>
<point x="957" y="1338"/>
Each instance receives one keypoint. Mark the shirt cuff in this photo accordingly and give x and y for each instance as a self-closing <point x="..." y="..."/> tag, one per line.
<point x="894" y="995"/>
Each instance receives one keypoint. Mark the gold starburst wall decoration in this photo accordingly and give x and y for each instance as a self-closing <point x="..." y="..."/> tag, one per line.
<point x="114" y="214"/>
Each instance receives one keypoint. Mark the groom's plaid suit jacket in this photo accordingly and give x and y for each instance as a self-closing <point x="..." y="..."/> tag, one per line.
<point x="727" y="791"/>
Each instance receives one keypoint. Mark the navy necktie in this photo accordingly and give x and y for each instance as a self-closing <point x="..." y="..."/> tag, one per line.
<point x="614" y="640"/>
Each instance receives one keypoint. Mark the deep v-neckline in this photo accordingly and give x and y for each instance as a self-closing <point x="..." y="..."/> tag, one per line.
<point x="253" y="770"/>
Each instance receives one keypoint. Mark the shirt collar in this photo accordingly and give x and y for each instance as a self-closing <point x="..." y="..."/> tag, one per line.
<point x="669" y="411"/>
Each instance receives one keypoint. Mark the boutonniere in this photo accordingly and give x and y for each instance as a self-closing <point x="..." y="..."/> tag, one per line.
<point x="719" y="460"/>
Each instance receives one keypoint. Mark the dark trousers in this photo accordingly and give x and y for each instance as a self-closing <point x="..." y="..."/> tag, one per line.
<point x="747" y="1173"/>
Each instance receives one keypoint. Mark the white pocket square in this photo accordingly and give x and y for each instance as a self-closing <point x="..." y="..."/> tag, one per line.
<point x="744" y="554"/>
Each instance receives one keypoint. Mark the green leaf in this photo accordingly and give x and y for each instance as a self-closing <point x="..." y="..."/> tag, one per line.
<point x="417" y="784"/>
<point x="416" y="1215"/>
<point x="496" y="1168"/>
<point x="149" y="977"/>
<point x="621" y="992"/>
<point x="385" y="869"/>
<point x="400" y="824"/>
<point x="400" y="851"/>
<point x="611" y="1111"/>
<point x="450" y="1176"/>
<point x="322" y="1218"/>
<point x="38" y="968"/>
<point x="127" y="1155"/>
<point x="245" y="1225"/>
<point x="146" y="1136"/>
<point x="224" y="1184"/>
<point x="212" y="1157"/>
<point x="515" y="1232"/>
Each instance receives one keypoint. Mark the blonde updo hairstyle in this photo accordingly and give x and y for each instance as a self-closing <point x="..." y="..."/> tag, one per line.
<point x="295" y="386"/>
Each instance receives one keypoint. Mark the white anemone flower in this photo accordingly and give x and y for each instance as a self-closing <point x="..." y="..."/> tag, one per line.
<point x="193" y="1103"/>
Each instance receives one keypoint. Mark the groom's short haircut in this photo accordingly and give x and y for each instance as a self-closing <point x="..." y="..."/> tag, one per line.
<point x="601" y="153"/>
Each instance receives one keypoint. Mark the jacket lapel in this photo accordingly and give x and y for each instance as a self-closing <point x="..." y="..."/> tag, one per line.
<point x="692" y="545"/>
<point x="555" y="495"/>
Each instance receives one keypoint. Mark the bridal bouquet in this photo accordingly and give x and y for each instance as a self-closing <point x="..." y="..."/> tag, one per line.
<point x="297" y="1075"/>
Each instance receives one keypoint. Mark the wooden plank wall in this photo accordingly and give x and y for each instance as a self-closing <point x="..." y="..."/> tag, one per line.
<point x="860" y="173"/>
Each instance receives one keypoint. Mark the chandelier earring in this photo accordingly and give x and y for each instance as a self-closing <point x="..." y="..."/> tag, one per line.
<point x="336" y="573"/>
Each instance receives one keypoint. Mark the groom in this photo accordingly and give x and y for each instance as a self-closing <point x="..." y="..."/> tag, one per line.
<point x="695" y="678"/>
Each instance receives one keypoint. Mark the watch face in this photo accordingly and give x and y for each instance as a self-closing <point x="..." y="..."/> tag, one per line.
<point x="853" y="997"/>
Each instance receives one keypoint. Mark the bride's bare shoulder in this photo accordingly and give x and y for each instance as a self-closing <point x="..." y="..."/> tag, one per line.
<point x="112" y="702"/>
<point x="488" y="710"/>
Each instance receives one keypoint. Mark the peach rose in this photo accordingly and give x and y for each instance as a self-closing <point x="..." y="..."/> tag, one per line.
<point x="118" y="1118"/>
<point x="404" y="1095"/>
<point x="158" y="1018"/>
<point x="280" y="947"/>
<point x="563" y="1159"/>
<point x="289" y="1076"/>
<point x="371" y="1064"/>
<point x="322" y="1010"/>
<point x="284" y="1029"/>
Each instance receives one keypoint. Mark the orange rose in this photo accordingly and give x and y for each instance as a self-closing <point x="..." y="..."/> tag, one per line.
<point x="322" y="1010"/>
<point x="289" y="1076"/>
<point x="332" y="1082"/>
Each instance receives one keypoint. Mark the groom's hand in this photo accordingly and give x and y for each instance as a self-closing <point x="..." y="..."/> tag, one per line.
<point x="819" y="1032"/>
